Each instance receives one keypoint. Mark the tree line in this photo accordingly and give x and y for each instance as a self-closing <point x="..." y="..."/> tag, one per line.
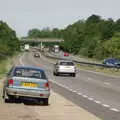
<point x="9" y="42"/>
<point x="94" y="37"/>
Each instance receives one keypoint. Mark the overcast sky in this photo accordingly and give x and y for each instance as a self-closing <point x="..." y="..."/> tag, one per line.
<point x="23" y="15"/>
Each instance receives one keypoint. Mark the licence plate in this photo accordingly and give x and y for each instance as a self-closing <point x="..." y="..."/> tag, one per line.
<point x="67" y="67"/>
<point x="25" y="84"/>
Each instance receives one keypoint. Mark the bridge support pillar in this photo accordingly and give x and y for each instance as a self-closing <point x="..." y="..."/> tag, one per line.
<point x="41" y="46"/>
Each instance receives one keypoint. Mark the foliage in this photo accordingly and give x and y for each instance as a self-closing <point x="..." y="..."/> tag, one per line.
<point x="9" y="43"/>
<point x="94" y="37"/>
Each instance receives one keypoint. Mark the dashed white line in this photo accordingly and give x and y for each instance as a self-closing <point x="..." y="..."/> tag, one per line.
<point x="105" y="105"/>
<point x="107" y="83"/>
<point x="74" y="91"/>
<point x="85" y="96"/>
<point x="114" y="109"/>
<point x="79" y="93"/>
<point x="89" y="98"/>
<point x="98" y="102"/>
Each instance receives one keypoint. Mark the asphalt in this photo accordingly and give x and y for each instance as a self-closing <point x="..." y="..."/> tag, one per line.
<point x="59" y="107"/>
<point x="97" y="93"/>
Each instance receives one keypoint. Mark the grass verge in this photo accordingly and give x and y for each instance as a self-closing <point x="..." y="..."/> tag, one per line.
<point x="108" y="71"/>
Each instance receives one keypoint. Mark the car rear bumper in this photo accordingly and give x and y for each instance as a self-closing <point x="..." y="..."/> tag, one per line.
<point x="28" y="93"/>
<point x="65" y="71"/>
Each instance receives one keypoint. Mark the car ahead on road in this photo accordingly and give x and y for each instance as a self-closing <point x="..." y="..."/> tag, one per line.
<point x="64" y="67"/>
<point x="26" y="82"/>
<point x="66" y="54"/>
<point x="112" y="62"/>
<point x="36" y="55"/>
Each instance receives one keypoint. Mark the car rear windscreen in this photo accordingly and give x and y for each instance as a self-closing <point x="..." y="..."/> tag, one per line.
<point x="31" y="73"/>
<point x="67" y="63"/>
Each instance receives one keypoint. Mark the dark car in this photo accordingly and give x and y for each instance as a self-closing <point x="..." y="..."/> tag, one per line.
<point x="36" y="55"/>
<point x="112" y="62"/>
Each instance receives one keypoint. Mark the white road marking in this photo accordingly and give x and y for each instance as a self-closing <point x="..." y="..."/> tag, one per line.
<point x="85" y="96"/>
<point x="107" y="83"/>
<point x="98" y="102"/>
<point x="90" y="98"/>
<point x="114" y="109"/>
<point x="20" y="60"/>
<point x="105" y="105"/>
<point x="74" y="91"/>
<point x="79" y="93"/>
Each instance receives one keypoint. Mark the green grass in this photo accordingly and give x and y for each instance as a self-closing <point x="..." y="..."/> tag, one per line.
<point x="3" y="67"/>
<point x="6" y="64"/>
<point x="109" y="71"/>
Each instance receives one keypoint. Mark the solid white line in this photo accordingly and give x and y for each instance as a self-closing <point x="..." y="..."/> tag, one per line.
<point x="114" y="109"/>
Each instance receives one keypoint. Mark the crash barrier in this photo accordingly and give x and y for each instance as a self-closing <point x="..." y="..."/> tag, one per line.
<point x="81" y="62"/>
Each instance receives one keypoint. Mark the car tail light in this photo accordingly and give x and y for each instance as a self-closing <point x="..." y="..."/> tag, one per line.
<point x="46" y="85"/>
<point x="10" y="82"/>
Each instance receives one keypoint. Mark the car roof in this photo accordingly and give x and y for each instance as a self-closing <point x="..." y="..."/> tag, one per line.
<point x="65" y="61"/>
<point x="29" y="67"/>
<point x="112" y="59"/>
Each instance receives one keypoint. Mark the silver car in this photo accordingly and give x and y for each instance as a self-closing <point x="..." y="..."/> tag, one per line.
<point x="26" y="82"/>
<point x="64" y="67"/>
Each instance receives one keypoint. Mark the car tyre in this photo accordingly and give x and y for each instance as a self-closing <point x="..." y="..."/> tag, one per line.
<point x="54" y="73"/>
<point x="73" y="74"/>
<point x="6" y="100"/>
<point x="46" y="101"/>
<point x="57" y="74"/>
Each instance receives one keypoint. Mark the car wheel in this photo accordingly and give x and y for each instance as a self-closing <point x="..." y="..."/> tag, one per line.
<point x="57" y="74"/>
<point x="46" y="101"/>
<point x="73" y="74"/>
<point x="54" y="73"/>
<point x="6" y="100"/>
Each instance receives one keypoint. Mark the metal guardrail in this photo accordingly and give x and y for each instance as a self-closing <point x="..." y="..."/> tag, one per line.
<point x="85" y="63"/>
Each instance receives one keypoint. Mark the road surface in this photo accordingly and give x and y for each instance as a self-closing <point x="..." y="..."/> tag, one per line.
<point x="97" y="93"/>
<point x="59" y="107"/>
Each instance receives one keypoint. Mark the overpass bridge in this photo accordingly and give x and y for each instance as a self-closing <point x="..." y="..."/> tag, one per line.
<point x="39" y="41"/>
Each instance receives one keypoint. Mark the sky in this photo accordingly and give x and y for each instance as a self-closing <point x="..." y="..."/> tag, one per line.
<point x="23" y="15"/>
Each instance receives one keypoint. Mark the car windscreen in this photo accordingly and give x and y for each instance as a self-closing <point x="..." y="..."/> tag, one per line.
<point x="30" y="73"/>
<point x="67" y="63"/>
